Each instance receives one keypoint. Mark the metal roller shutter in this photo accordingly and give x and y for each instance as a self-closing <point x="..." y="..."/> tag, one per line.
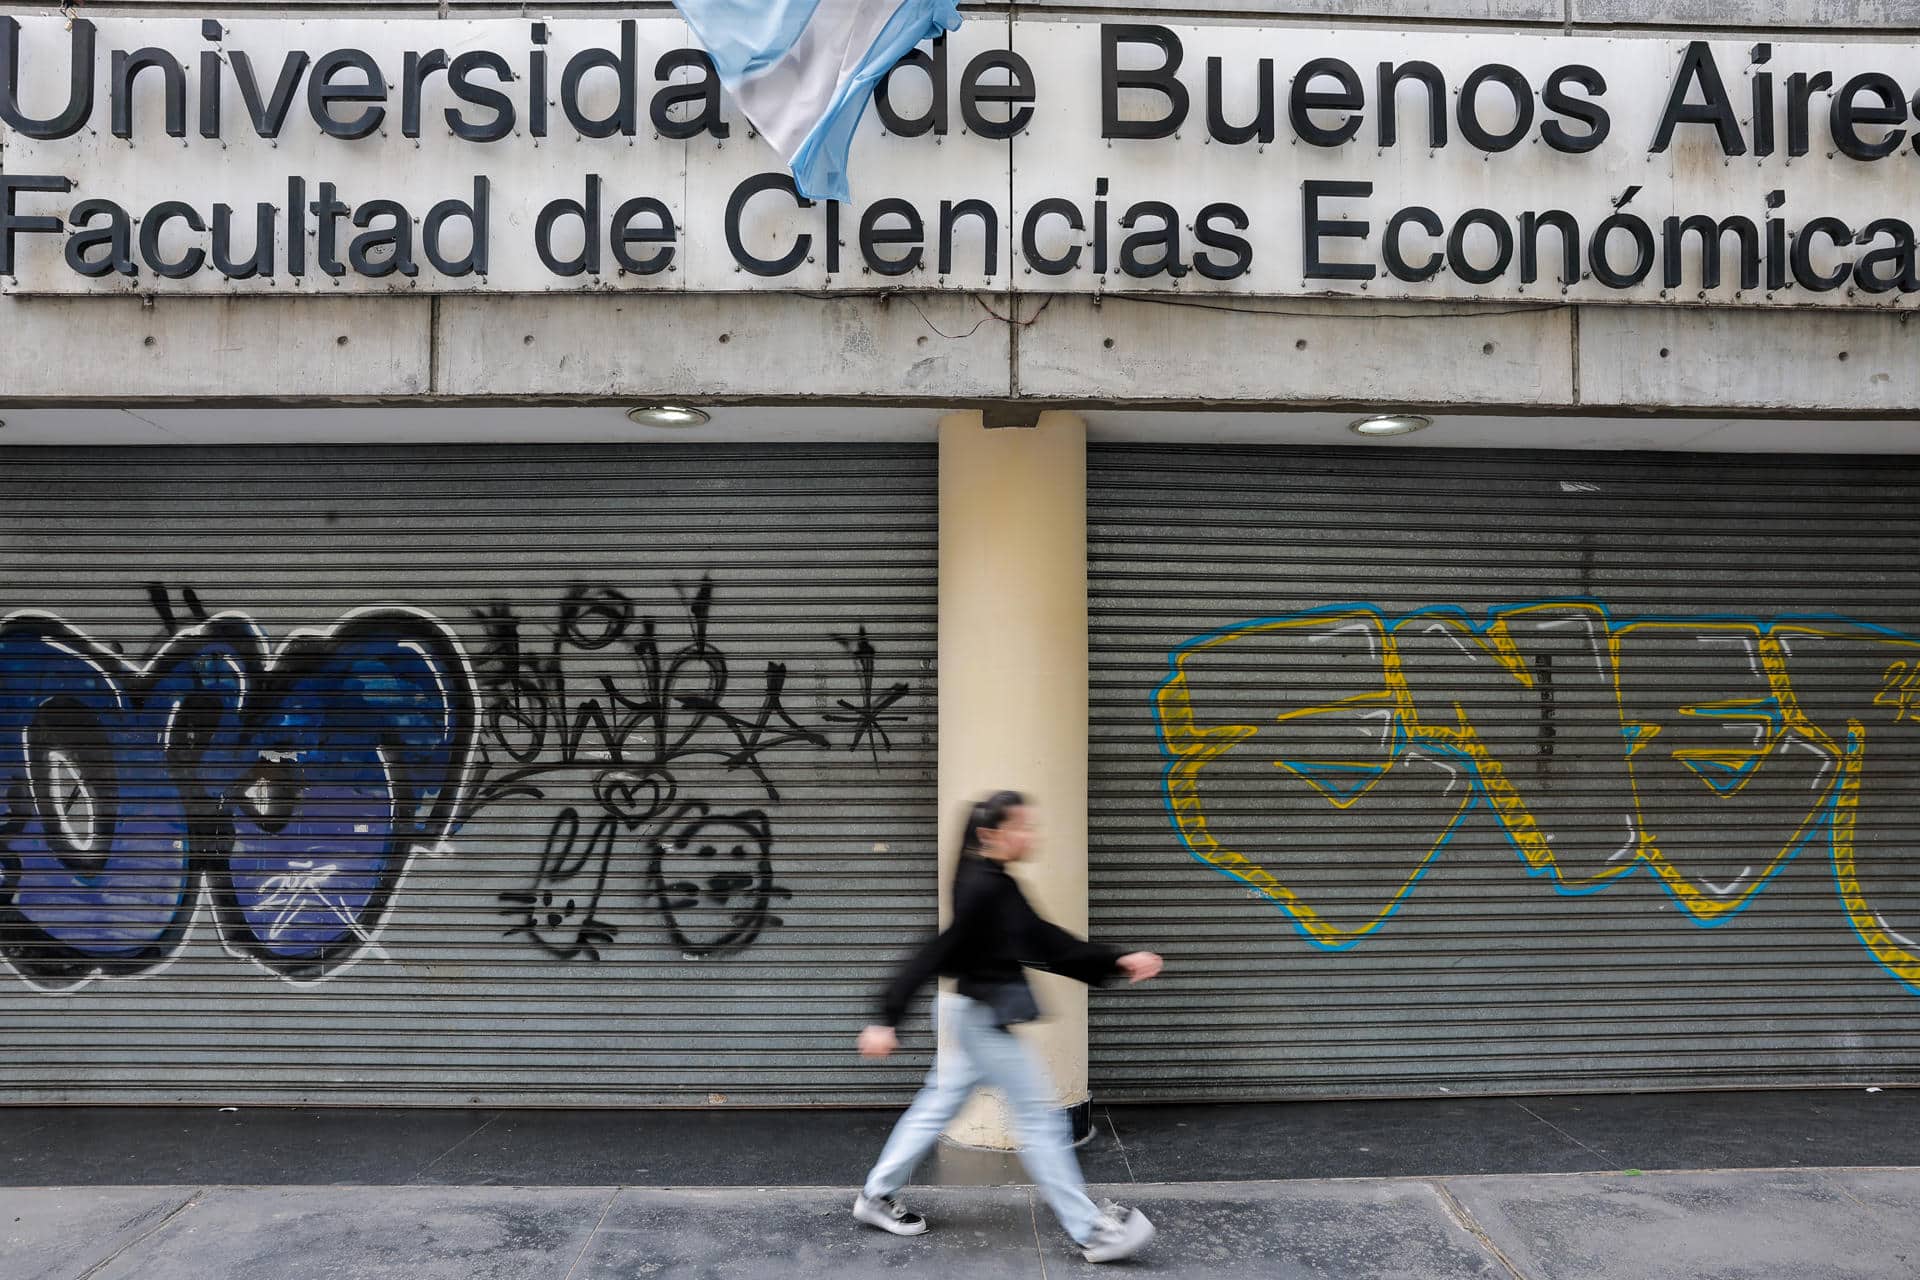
<point x="509" y="776"/>
<point x="1497" y="772"/>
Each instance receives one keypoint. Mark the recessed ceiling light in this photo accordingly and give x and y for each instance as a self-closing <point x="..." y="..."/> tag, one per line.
<point x="669" y="415"/>
<point x="1390" y="424"/>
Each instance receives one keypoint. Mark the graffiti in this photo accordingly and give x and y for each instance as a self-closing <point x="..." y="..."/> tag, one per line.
<point x="1709" y="751"/>
<point x="550" y="914"/>
<point x="713" y="880"/>
<point x="1900" y="689"/>
<point x="871" y="715"/>
<point x="290" y="785"/>
<point x="598" y="716"/>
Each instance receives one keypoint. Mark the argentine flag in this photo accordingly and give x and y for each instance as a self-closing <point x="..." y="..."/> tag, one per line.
<point x="804" y="70"/>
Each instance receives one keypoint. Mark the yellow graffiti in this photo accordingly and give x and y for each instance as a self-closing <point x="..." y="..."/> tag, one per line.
<point x="1195" y="747"/>
<point x="1773" y="723"/>
<point x="1508" y="805"/>
<point x="1899" y="955"/>
<point x="1697" y="901"/>
<point x="1338" y="798"/>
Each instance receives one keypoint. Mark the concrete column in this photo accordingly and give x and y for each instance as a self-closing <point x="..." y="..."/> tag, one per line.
<point x="1013" y="688"/>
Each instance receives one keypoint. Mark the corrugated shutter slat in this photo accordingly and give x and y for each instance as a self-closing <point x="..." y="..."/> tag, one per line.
<point x="697" y="829"/>
<point x="1486" y="977"/>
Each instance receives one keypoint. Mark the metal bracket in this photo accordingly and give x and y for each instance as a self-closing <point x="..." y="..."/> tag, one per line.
<point x="1000" y="417"/>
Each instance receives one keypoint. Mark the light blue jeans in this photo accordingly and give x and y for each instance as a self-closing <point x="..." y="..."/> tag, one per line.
<point x="984" y="1054"/>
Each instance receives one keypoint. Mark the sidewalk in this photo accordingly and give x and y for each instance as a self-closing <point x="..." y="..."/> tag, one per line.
<point x="1747" y="1225"/>
<point x="1788" y="1185"/>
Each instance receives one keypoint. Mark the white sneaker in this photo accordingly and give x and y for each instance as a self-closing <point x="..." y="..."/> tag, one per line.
<point x="1121" y="1234"/>
<point x="888" y="1214"/>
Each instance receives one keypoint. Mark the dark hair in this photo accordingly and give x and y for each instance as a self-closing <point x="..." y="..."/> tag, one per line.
<point x="988" y="815"/>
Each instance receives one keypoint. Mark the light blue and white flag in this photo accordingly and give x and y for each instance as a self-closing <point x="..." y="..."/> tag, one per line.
<point x="805" y="70"/>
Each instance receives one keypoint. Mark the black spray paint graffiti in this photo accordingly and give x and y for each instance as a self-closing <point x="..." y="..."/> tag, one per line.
<point x="294" y="783"/>
<point x="872" y="714"/>
<point x="599" y="696"/>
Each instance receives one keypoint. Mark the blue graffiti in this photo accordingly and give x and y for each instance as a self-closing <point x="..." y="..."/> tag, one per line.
<point x="293" y="784"/>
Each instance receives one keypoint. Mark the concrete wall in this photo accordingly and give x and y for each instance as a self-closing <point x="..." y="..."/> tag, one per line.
<point x="944" y="350"/>
<point x="1831" y="16"/>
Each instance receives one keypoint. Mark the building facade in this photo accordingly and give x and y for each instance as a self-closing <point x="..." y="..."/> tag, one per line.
<point x="1421" y="491"/>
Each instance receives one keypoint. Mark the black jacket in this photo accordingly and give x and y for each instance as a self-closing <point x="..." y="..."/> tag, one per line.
<point x="994" y="935"/>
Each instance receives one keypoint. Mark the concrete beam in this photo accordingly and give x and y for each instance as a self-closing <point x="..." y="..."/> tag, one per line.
<point x="940" y="348"/>
<point x="947" y="350"/>
<point x="1830" y="16"/>
<point x="1516" y="11"/>
<point x="77" y="350"/>
<point x="1298" y="352"/>
<point x="1520" y="11"/>
<point x="1845" y="362"/>
<point x="1825" y="15"/>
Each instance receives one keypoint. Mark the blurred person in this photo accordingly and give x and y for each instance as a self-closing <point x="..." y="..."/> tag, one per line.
<point x="993" y="937"/>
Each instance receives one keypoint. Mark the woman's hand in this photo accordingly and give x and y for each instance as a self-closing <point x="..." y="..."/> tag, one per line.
<point x="877" y="1042"/>
<point x="1141" y="965"/>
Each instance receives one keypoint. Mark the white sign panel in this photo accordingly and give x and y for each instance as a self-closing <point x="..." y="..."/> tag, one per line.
<point x="182" y="155"/>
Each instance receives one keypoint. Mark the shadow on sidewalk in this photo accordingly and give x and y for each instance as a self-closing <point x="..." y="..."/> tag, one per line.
<point x="1269" y="1141"/>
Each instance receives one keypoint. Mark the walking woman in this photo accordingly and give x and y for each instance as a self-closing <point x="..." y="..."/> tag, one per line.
<point x="994" y="934"/>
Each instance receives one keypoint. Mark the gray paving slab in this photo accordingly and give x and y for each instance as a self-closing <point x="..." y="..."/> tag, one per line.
<point x="1758" y="1225"/>
<point x="1894" y="1198"/>
<point x="1359" y="1230"/>
<point x="1800" y="1224"/>
<point x="1319" y="1231"/>
<point x="745" y="1234"/>
<point x="369" y="1233"/>
<point x="57" y="1233"/>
